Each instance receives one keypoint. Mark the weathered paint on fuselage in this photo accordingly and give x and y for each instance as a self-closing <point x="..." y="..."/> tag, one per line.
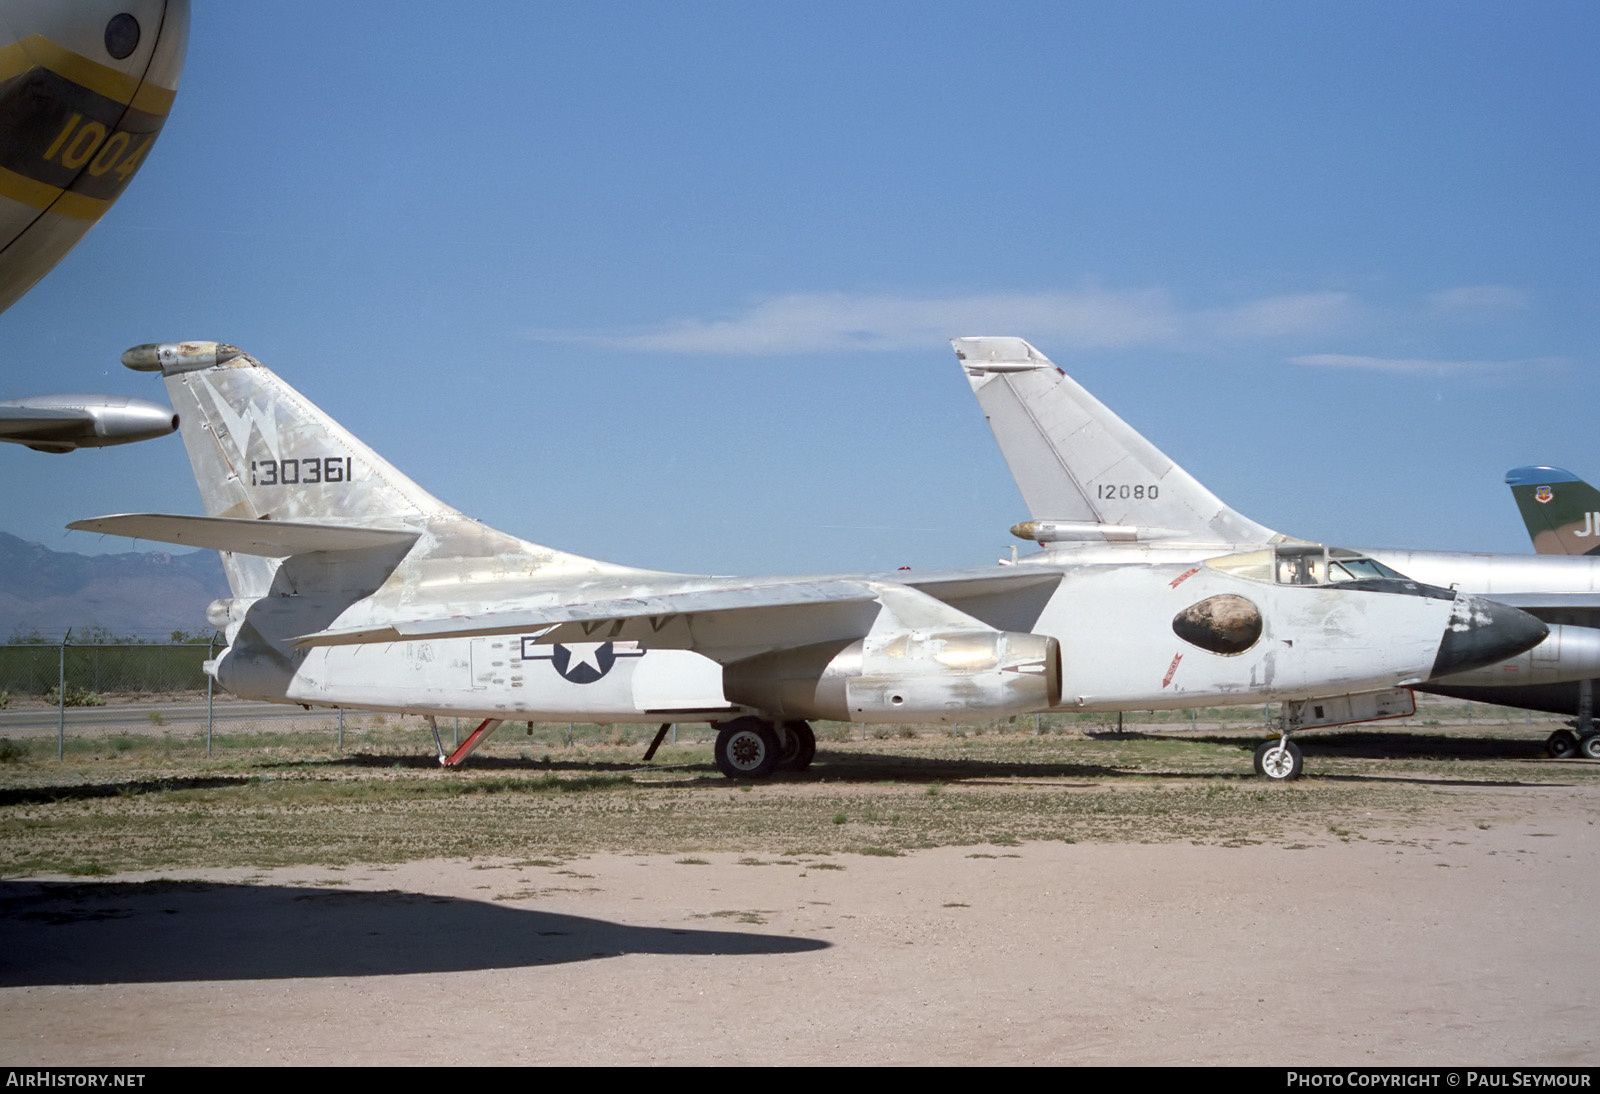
<point x="1114" y="624"/>
<point x="1555" y="588"/>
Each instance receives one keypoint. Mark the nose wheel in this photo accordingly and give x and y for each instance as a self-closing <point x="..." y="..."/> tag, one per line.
<point x="1279" y="760"/>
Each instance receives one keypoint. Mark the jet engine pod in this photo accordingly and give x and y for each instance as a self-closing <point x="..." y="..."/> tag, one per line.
<point x="910" y="676"/>
<point x="1227" y="624"/>
<point x="62" y="423"/>
<point x="170" y="357"/>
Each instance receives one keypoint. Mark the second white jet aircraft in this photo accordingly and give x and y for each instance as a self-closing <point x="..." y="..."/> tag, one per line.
<point x="1098" y="491"/>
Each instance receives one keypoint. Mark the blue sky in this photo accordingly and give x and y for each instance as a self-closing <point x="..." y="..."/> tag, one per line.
<point x="670" y="284"/>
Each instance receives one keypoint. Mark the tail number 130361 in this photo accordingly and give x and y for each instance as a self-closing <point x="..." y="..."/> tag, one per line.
<point x="301" y="472"/>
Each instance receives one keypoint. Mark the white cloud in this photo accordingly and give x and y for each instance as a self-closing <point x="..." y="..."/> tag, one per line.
<point x="1478" y="300"/>
<point x="1064" y="320"/>
<point x="1278" y="316"/>
<point x="1422" y="366"/>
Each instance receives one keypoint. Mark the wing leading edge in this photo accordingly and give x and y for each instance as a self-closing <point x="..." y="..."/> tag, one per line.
<point x="729" y="623"/>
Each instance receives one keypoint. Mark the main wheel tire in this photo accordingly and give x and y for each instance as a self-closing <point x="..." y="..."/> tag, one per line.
<point x="1589" y="746"/>
<point x="1279" y="760"/>
<point x="1561" y="744"/>
<point x="747" y="748"/>
<point x="798" y="747"/>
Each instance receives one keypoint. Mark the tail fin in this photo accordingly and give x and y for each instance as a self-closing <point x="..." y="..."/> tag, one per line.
<point x="1562" y="511"/>
<point x="261" y="451"/>
<point x="1084" y="473"/>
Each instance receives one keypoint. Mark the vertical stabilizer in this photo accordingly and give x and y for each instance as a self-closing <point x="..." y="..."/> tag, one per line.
<point x="1083" y="471"/>
<point x="1562" y="511"/>
<point x="261" y="451"/>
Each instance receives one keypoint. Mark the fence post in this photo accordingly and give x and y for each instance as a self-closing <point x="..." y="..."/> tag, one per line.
<point x="211" y="654"/>
<point x="340" y="747"/>
<point x="61" y="700"/>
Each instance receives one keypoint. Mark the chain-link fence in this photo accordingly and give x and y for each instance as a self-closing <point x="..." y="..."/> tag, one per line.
<point x="89" y="673"/>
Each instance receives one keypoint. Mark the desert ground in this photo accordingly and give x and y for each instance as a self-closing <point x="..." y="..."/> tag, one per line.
<point x="988" y="901"/>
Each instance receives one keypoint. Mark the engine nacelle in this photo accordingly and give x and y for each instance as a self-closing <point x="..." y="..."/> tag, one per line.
<point x="911" y="676"/>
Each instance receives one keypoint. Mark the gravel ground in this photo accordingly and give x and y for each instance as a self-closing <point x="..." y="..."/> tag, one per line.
<point x="1448" y="942"/>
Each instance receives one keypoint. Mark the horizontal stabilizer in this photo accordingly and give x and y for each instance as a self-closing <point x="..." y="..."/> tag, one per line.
<point x="270" y="538"/>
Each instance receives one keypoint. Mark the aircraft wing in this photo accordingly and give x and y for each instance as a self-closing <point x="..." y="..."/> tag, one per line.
<point x="270" y="538"/>
<point x="1541" y="604"/>
<point x="728" y="622"/>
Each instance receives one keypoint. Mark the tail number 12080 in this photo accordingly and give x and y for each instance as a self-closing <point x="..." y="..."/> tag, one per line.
<point x="1122" y="491"/>
<point x="302" y="472"/>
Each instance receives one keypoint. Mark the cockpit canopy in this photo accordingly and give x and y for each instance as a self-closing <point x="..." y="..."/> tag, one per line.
<point x="1304" y="564"/>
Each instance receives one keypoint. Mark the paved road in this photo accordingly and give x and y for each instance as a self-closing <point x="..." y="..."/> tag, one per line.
<point x="185" y="717"/>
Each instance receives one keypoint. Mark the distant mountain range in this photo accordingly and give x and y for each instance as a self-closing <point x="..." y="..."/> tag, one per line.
<point x="139" y="594"/>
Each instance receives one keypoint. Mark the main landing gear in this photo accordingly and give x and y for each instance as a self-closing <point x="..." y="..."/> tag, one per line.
<point x="1586" y="741"/>
<point x="753" y="748"/>
<point x="1564" y="743"/>
<point x="1561" y="744"/>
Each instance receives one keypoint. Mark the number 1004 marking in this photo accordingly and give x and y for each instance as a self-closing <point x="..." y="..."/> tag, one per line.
<point x="303" y="472"/>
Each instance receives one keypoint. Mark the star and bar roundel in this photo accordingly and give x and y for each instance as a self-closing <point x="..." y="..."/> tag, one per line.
<point x="580" y="664"/>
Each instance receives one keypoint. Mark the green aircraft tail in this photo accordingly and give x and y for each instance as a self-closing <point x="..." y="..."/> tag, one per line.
<point x="1562" y="511"/>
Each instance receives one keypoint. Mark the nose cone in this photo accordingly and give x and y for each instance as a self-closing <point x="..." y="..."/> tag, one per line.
<point x="1482" y="632"/>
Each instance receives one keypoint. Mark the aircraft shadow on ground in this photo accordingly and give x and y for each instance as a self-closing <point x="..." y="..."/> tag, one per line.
<point x="44" y="795"/>
<point x="852" y="766"/>
<point x="830" y="766"/>
<point x="1372" y="744"/>
<point x="846" y="766"/>
<point x="175" y="931"/>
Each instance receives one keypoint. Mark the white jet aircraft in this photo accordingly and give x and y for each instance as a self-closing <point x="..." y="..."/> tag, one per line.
<point x="354" y="587"/>
<point x="1097" y="491"/>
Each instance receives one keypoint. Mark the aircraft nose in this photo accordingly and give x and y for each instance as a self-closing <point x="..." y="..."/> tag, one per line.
<point x="1482" y="632"/>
